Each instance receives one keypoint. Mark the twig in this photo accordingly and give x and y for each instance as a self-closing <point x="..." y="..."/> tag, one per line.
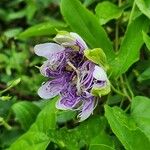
<point x="18" y="94"/>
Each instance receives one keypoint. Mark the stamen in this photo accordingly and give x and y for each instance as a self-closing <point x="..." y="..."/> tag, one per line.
<point x="78" y="77"/>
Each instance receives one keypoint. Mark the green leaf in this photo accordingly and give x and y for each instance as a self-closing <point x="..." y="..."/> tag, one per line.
<point x="26" y="113"/>
<point x="36" y="137"/>
<point x="88" y="2"/>
<point x="95" y="130"/>
<point x="102" y="141"/>
<point x="31" y="9"/>
<point x="96" y="55"/>
<point x="31" y="141"/>
<point x="7" y="137"/>
<point x="46" y="28"/>
<point x="3" y="58"/>
<point x="140" y="111"/>
<point x="130" y="47"/>
<point x="64" y="116"/>
<point x="12" y="32"/>
<point x="15" y="15"/>
<point x="144" y="6"/>
<point x="46" y="120"/>
<point x="126" y="130"/>
<point x="144" y="75"/>
<point x="105" y="15"/>
<point x="146" y="39"/>
<point x="86" y="25"/>
<point x="82" y="135"/>
<point x="113" y="99"/>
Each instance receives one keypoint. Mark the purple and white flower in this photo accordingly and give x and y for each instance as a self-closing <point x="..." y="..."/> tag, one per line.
<point x="72" y="76"/>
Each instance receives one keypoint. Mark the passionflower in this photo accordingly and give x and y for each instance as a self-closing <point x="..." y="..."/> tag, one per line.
<point x="74" y="72"/>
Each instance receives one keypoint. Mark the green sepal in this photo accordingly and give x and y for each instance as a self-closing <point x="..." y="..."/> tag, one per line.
<point x="101" y="91"/>
<point x="63" y="37"/>
<point x="97" y="56"/>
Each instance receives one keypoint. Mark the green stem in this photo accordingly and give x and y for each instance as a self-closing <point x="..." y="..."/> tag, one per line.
<point x="128" y="107"/>
<point x="132" y="11"/>
<point x="124" y="88"/>
<point x="129" y="87"/>
<point x="5" y="124"/>
<point x="117" y="36"/>
<point x="1" y="92"/>
<point x="116" y="91"/>
<point x="121" y="103"/>
<point x="117" y="30"/>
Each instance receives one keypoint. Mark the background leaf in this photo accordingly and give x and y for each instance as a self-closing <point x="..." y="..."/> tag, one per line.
<point x="31" y="141"/>
<point x="144" y="6"/>
<point x="144" y="75"/>
<point x="146" y="39"/>
<point x="82" y="135"/>
<point x="46" y="28"/>
<point x="86" y="24"/>
<point x="130" y="47"/>
<point x="125" y="129"/>
<point x="36" y="137"/>
<point x="104" y="15"/>
<point x="141" y="113"/>
<point x="26" y="113"/>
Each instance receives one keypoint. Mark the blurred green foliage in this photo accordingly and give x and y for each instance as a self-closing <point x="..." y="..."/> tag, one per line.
<point x="122" y="31"/>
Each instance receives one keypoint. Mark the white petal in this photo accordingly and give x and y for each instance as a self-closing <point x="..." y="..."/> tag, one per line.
<point x="49" y="90"/>
<point x="47" y="49"/>
<point x="79" y="39"/>
<point x="87" y="110"/>
<point x="43" y="68"/>
<point x="99" y="74"/>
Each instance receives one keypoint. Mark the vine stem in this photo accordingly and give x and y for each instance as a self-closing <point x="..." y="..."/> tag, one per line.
<point x="129" y="87"/>
<point x="128" y="107"/>
<point x="117" y="36"/>
<point x="132" y="11"/>
<point x="116" y="91"/>
<point x="124" y="89"/>
<point x="117" y="30"/>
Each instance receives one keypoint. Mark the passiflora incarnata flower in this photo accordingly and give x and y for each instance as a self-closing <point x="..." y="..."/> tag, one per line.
<point x="74" y="72"/>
